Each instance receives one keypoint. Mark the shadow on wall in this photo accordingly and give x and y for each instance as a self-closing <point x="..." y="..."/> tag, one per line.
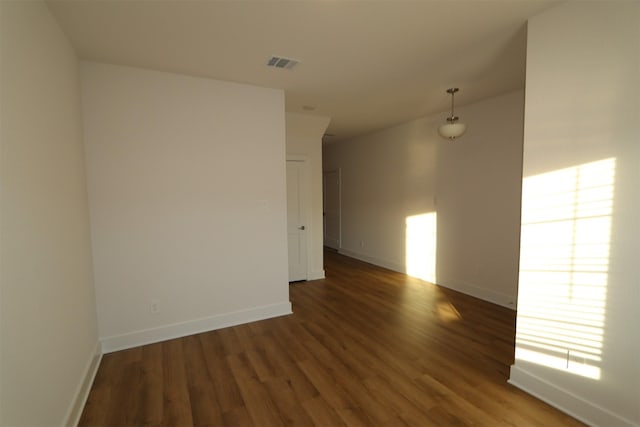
<point x="564" y="267"/>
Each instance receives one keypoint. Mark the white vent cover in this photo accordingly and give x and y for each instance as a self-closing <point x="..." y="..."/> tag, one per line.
<point x="282" y="62"/>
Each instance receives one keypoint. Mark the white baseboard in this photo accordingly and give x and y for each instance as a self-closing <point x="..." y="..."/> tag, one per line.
<point x="82" y="391"/>
<point x="460" y="286"/>
<point x="316" y="275"/>
<point x="498" y="298"/>
<point x="177" y="330"/>
<point x="375" y="261"/>
<point x="564" y="400"/>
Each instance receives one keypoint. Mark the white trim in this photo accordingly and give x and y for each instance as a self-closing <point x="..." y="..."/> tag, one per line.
<point x="481" y="293"/>
<point x="177" y="330"/>
<point x="316" y="275"/>
<point x="579" y="408"/>
<point x="324" y="242"/>
<point x="84" y="387"/>
<point x="375" y="261"/>
<point x="306" y="206"/>
<point x="460" y="286"/>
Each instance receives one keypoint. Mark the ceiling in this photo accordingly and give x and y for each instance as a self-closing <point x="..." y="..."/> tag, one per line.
<point x="366" y="64"/>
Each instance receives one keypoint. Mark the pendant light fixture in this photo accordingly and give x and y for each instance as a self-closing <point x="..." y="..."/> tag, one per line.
<point x="452" y="129"/>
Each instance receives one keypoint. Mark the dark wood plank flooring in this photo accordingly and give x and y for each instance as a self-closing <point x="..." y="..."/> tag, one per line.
<point x="364" y="347"/>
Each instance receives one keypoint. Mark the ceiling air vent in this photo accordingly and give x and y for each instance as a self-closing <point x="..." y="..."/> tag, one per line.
<point x="281" y="62"/>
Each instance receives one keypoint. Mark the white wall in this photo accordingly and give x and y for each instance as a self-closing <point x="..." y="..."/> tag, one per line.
<point x="473" y="186"/>
<point x="188" y="202"/>
<point x="385" y="177"/>
<point x="478" y="190"/>
<point x="304" y="139"/>
<point x="582" y="106"/>
<point x="48" y="316"/>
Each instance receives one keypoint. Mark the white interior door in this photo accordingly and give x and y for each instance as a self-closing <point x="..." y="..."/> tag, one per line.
<point x="296" y="224"/>
<point x="331" y="213"/>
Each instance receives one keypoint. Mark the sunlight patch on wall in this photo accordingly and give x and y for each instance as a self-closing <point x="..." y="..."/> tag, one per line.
<point x="420" y="240"/>
<point x="564" y="264"/>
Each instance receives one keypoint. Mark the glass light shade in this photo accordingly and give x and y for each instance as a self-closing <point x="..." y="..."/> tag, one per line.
<point x="452" y="130"/>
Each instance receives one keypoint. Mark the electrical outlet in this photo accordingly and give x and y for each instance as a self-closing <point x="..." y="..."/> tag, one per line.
<point x="154" y="306"/>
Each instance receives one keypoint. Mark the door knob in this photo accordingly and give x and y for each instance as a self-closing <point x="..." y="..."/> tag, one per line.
<point x="301" y="227"/>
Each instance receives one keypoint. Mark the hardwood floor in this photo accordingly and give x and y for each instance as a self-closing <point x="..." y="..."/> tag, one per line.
<point x="364" y="347"/>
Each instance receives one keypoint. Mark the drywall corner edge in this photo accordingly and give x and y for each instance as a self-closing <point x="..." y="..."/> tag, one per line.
<point x="82" y="392"/>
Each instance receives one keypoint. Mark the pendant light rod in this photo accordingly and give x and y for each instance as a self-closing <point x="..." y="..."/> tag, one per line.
<point x="452" y="90"/>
